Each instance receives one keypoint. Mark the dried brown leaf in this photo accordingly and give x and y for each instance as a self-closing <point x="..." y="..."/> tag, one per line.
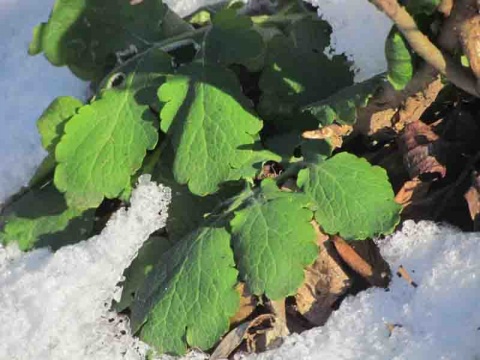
<point x="420" y="147"/>
<point x="469" y="33"/>
<point x="334" y="133"/>
<point x="325" y="282"/>
<point x="264" y="333"/>
<point x="230" y="342"/>
<point x="472" y="196"/>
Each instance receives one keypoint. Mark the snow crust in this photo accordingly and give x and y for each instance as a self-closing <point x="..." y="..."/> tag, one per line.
<point x="359" y="31"/>
<point x="440" y="319"/>
<point x="56" y="305"/>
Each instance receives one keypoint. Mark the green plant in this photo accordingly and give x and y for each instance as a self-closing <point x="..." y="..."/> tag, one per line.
<point x="183" y="104"/>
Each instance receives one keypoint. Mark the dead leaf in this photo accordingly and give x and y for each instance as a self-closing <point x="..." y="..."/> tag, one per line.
<point x="334" y="133"/>
<point x="392" y="327"/>
<point x="415" y="105"/>
<point x="420" y="147"/>
<point x="411" y="196"/>
<point x="403" y="273"/>
<point x="230" y="342"/>
<point x="411" y="191"/>
<point x="263" y="334"/>
<point x="325" y="282"/>
<point x="248" y="304"/>
<point x="472" y="196"/>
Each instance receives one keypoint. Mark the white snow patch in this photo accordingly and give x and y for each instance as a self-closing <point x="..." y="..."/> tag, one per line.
<point x="359" y="31"/>
<point x="56" y="305"/>
<point x="440" y="319"/>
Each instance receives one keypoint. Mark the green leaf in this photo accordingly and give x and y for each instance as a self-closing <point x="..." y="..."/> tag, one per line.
<point x="399" y="59"/>
<point x="181" y="222"/>
<point x="353" y="198"/>
<point x="50" y="126"/>
<point x="106" y="141"/>
<point x="41" y="218"/>
<point x="135" y="275"/>
<point x="233" y="40"/>
<point x="212" y="133"/>
<point x="88" y="35"/>
<point x="297" y="73"/>
<point x="343" y="106"/>
<point x="188" y="298"/>
<point x="51" y="122"/>
<point x="274" y="241"/>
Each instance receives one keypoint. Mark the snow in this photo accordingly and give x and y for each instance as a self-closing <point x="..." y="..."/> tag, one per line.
<point x="56" y="305"/>
<point x="28" y="86"/>
<point x="440" y="319"/>
<point x="359" y="31"/>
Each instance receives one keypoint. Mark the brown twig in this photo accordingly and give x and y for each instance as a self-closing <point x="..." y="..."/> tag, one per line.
<point x="422" y="45"/>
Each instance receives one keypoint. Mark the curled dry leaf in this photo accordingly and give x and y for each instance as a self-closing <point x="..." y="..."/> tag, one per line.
<point x="265" y="332"/>
<point x="333" y="133"/>
<point x="325" y="282"/>
<point x="411" y="196"/>
<point x="472" y="196"/>
<point x="230" y="342"/>
<point x="421" y="150"/>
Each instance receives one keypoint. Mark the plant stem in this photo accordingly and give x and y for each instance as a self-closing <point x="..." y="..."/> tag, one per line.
<point x="422" y="45"/>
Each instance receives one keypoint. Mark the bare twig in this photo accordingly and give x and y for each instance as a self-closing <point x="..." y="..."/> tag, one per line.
<point x="469" y="33"/>
<point x="422" y="45"/>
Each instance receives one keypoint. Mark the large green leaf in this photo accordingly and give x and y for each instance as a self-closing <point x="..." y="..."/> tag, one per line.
<point x="189" y="296"/>
<point x="297" y="73"/>
<point x="106" y="141"/>
<point x="353" y="198"/>
<point x="87" y="35"/>
<point x="41" y="218"/>
<point x="212" y="132"/>
<point x="399" y="59"/>
<point x="273" y="241"/>
<point x="343" y="106"/>
<point x="232" y="40"/>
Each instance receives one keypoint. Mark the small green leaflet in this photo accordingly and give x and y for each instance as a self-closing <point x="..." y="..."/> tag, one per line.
<point x="353" y="198"/>
<point x="212" y="133"/>
<point x="399" y="59"/>
<point x="50" y="126"/>
<point x="41" y="218"/>
<point x="297" y="73"/>
<point x="106" y="141"/>
<point x="342" y="107"/>
<point x="188" y="298"/>
<point x="273" y="241"/>
<point x="232" y="40"/>
<point x="87" y="34"/>
<point x="51" y="122"/>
